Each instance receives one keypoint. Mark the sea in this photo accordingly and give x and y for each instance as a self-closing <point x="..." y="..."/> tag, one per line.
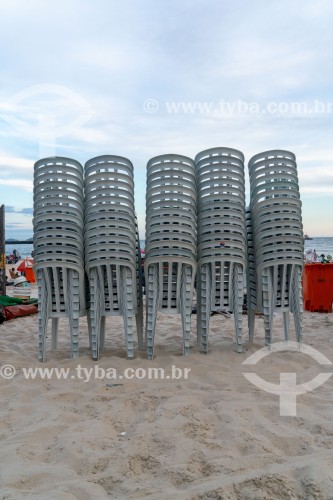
<point x="23" y="250"/>
<point x="321" y="245"/>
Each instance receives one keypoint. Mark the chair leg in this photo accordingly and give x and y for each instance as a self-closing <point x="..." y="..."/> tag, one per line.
<point x="54" y="336"/>
<point x="128" y="327"/>
<point x="297" y="303"/>
<point x="238" y="299"/>
<point x="186" y="289"/>
<point x="267" y="305"/>
<point x="95" y="313"/>
<point x="43" y="308"/>
<point x="103" y="318"/>
<point x="139" y="306"/>
<point x="204" y="305"/>
<point x="74" y="310"/>
<point x="127" y="307"/>
<point x="251" y="316"/>
<point x="286" y="325"/>
<point x="139" y="326"/>
<point x="152" y="291"/>
<point x="199" y="310"/>
<point x="89" y="329"/>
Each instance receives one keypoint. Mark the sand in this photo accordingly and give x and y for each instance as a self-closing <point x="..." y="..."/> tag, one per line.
<point x="212" y="435"/>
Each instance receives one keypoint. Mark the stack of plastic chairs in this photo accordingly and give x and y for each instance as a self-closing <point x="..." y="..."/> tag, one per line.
<point x="221" y="238"/>
<point x="112" y="249"/>
<point x="278" y="246"/>
<point x="170" y="251"/>
<point x="59" y="247"/>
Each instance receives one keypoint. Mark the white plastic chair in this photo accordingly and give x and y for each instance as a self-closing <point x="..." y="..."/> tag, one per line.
<point x="275" y="241"/>
<point x="222" y="242"/>
<point x="170" y="251"/>
<point x="112" y="249"/>
<point x="58" y="247"/>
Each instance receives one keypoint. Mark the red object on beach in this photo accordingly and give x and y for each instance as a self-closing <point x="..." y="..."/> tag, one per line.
<point x="30" y="275"/>
<point x="318" y="287"/>
<point x="25" y="264"/>
<point x="12" y="312"/>
<point x="26" y="267"/>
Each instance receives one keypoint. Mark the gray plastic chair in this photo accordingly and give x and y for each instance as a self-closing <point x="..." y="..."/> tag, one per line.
<point x="170" y="250"/>
<point x="222" y="241"/>
<point x="275" y="241"/>
<point x="112" y="249"/>
<point x="58" y="247"/>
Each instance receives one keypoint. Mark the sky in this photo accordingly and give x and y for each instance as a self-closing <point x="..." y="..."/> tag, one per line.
<point x="81" y="78"/>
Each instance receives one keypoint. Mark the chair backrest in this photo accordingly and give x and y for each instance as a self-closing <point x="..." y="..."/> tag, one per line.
<point x="221" y="209"/>
<point x="110" y="221"/>
<point x="274" y="225"/>
<point x="171" y="209"/>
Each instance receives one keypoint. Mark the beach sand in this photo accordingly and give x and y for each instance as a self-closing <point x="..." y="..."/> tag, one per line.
<point x="212" y="435"/>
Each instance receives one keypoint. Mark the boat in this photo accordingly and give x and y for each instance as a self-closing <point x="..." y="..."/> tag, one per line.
<point x="307" y="237"/>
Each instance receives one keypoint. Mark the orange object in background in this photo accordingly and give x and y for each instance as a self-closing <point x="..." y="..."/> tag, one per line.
<point x="318" y="287"/>
<point x="30" y="275"/>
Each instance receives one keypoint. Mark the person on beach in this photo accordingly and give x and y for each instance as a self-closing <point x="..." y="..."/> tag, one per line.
<point x="13" y="273"/>
<point x="16" y="256"/>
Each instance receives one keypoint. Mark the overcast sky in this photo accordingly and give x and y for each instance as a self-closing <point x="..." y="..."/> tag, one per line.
<point x="101" y="75"/>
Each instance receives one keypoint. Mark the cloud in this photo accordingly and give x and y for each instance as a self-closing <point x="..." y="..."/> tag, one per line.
<point x="25" y="184"/>
<point x="13" y="163"/>
<point x="14" y="210"/>
<point x="19" y="226"/>
<point x="10" y="210"/>
<point x="316" y="190"/>
<point x="27" y="211"/>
